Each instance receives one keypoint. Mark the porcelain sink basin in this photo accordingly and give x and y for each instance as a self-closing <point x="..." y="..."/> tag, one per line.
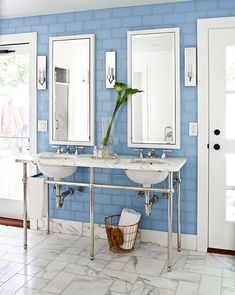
<point x="148" y="177"/>
<point x="54" y="165"/>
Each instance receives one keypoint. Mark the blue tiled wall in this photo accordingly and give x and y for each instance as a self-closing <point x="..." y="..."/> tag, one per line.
<point x="110" y="27"/>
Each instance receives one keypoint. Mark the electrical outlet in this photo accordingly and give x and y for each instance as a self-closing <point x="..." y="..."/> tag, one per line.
<point x="193" y="129"/>
<point x="42" y="125"/>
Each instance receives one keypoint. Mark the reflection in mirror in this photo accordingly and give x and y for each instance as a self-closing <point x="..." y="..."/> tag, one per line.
<point x="153" y="115"/>
<point x="72" y="114"/>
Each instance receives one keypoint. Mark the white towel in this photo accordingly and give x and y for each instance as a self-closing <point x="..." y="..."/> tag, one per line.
<point x="37" y="197"/>
<point x="129" y="217"/>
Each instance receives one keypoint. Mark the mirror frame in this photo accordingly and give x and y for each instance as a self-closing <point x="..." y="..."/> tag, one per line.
<point x="91" y="38"/>
<point x="176" y="32"/>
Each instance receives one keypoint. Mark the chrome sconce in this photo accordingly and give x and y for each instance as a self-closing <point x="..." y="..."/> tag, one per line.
<point x="110" y="66"/>
<point x="190" y="67"/>
<point x="41" y="80"/>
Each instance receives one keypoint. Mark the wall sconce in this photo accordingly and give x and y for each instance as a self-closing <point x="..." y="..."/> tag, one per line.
<point x="41" y="73"/>
<point x="190" y="67"/>
<point x="110" y="65"/>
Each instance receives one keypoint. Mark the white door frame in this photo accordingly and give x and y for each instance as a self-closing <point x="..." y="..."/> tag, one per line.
<point x="203" y="27"/>
<point x="31" y="39"/>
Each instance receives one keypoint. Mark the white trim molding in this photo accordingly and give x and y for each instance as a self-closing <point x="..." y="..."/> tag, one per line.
<point x="203" y="28"/>
<point x="83" y="229"/>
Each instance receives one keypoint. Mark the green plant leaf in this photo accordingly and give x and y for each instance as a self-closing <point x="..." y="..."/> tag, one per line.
<point x="119" y="87"/>
<point x="130" y="91"/>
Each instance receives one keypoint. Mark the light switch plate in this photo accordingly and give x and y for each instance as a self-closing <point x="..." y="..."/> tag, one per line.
<point x="42" y="125"/>
<point x="193" y="128"/>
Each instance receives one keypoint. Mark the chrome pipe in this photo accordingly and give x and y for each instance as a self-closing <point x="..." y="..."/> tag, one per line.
<point x="66" y="183"/>
<point x="24" y="180"/>
<point x="92" y="234"/>
<point x="121" y="187"/>
<point x="178" y="189"/>
<point x="48" y="209"/>
<point x="170" y="204"/>
<point x="147" y="204"/>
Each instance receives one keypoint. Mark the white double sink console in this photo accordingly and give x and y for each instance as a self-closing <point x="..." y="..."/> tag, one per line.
<point x="145" y="171"/>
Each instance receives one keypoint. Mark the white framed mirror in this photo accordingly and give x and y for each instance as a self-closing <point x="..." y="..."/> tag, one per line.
<point x="72" y="60"/>
<point x="154" y="67"/>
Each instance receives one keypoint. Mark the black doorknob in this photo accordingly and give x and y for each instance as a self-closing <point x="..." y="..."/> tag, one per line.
<point x="216" y="146"/>
<point x="217" y="132"/>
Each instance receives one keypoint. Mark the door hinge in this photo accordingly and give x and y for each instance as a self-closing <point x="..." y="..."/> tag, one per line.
<point x="208" y="145"/>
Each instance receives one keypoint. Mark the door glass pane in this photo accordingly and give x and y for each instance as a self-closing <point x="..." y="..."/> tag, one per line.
<point x="230" y="68"/>
<point x="230" y="205"/>
<point x="14" y="120"/>
<point x="229" y="116"/>
<point x="230" y="170"/>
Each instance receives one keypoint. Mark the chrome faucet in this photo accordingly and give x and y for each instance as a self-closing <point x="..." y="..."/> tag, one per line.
<point x="152" y="154"/>
<point x="77" y="151"/>
<point x="67" y="150"/>
<point x="59" y="150"/>
<point x="141" y="153"/>
<point x="163" y="156"/>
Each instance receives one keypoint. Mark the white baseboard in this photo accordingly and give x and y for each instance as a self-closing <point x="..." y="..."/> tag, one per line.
<point x="83" y="229"/>
<point x="160" y="237"/>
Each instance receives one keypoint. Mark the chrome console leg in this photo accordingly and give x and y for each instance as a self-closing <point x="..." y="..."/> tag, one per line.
<point x="179" y="245"/>
<point x="48" y="208"/>
<point x="92" y="240"/>
<point x="24" y="180"/>
<point x="170" y="203"/>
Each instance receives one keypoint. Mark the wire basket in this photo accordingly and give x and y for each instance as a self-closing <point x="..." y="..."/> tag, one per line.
<point x="121" y="239"/>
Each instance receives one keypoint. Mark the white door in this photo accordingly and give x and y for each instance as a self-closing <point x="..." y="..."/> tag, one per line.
<point x="222" y="138"/>
<point x="15" y="103"/>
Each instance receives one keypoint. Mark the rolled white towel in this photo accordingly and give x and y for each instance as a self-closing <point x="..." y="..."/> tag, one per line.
<point x="128" y="218"/>
<point x="37" y="195"/>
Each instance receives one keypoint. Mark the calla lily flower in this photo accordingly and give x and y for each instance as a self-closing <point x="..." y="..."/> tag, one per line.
<point x="121" y="99"/>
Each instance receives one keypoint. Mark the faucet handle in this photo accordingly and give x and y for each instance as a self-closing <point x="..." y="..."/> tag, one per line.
<point x="163" y="156"/>
<point x="58" y="148"/>
<point x="76" y="149"/>
<point x="141" y="152"/>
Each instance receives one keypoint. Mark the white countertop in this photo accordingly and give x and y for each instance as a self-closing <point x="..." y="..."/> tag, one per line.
<point x="86" y="160"/>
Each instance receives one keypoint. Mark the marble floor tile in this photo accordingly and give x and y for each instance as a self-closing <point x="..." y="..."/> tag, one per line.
<point x="51" y="270"/>
<point x="227" y="291"/>
<point x="202" y="269"/>
<point x="141" y="288"/>
<point x="182" y="276"/>
<point x="59" y="282"/>
<point x="228" y="283"/>
<point x="82" y="270"/>
<point x="30" y="270"/>
<point x="158" y="282"/>
<point x="210" y="285"/>
<point x="37" y="283"/>
<point x="228" y="274"/>
<point x="123" y="287"/>
<point x="187" y="288"/>
<point x="196" y="259"/>
<point x="14" y="284"/>
<point x="87" y="285"/>
<point x="9" y="270"/>
<point x="19" y="258"/>
<point x="97" y="264"/>
<point x="28" y="291"/>
<point x="119" y="275"/>
<point x="142" y="265"/>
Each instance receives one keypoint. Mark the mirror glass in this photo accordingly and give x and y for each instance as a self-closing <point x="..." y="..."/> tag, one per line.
<point x="72" y="71"/>
<point x="154" y="68"/>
